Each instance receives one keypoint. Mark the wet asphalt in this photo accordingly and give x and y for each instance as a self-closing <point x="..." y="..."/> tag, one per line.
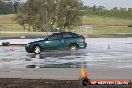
<point x="112" y="52"/>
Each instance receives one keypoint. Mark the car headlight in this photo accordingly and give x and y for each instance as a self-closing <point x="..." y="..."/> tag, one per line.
<point x="82" y="40"/>
<point x="27" y="45"/>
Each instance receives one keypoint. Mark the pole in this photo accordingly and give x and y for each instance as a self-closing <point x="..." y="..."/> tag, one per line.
<point x="46" y="24"/>
<point x="13" y="1"/>
<point x="46" y="17"/>
<point x="0" y="34"/>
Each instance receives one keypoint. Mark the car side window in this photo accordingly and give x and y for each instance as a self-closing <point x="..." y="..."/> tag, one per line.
<point x="75" y="35"/>
<point x="67" y="35"/>
<point x="55" y="37"/>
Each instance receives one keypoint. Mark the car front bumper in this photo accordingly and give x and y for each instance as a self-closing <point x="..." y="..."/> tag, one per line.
<point x="83" y="46"/>
<point x="28" y="49"/>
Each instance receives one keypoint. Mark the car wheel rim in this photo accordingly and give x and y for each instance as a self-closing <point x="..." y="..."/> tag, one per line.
<point x="73" y="48"/>
<point x="37" y="50"/>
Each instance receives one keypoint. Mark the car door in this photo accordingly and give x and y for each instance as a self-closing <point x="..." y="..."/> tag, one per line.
<point x="67" y="39"/>
<point x="54" y="41"/>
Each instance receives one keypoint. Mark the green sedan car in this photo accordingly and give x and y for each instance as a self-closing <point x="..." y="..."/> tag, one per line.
<point x="57" y="41"/>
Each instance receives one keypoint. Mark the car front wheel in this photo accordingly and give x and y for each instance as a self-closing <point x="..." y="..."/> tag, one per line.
<point x="37" y="49"/>
<point x="73" y="48"/>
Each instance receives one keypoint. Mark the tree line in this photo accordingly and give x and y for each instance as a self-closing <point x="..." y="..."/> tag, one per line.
<point x="9" y="7"/>
<point x="102" y="11"/>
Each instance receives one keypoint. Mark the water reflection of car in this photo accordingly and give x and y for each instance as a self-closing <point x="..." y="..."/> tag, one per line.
<point x="57" y="41"/>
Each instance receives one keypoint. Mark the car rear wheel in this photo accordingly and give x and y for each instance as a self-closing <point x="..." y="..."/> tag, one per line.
<point x="37" y="49"/>
<point x="73" y="48"/>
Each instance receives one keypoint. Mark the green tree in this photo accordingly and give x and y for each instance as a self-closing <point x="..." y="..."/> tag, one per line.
<point x="115" y="9"/>
<point x="62" y="13"/>
<point x="5" y="8"/>
<point x="129" y="9"/>
<point x="68" y="13"/>
<point x="9" y="7"/>
<point x="101" y="8"/>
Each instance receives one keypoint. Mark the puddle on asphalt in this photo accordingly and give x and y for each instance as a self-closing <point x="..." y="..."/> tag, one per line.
<point x="56" y="59"/>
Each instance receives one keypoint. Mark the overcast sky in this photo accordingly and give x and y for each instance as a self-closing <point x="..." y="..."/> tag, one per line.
<point x="109" y="3"/>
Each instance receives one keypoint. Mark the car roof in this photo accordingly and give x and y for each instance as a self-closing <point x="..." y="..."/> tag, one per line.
<point x="65" y="32"/>
<point x="62" y="32"/>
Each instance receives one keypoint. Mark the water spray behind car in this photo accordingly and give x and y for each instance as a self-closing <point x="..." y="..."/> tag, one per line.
<point x="37" y="57"/>
<point x="12" y="48"/>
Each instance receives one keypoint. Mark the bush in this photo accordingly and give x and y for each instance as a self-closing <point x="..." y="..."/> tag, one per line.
<point x="129" y="25"/>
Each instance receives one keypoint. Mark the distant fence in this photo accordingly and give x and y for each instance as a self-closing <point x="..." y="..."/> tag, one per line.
<point x="86" y="29"/>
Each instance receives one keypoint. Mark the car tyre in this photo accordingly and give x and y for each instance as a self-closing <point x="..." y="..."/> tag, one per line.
<point x="37" y="49"/>
<point x="73" y="48"/>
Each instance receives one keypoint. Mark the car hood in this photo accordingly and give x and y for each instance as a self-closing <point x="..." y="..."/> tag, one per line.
<point x="38" y="41"/>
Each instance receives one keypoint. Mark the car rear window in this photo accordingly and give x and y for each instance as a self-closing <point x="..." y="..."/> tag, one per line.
<point x="75" y="35"/>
